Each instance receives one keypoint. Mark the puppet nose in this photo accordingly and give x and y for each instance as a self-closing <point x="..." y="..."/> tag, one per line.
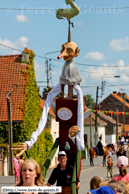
<point x="62" y="55"/>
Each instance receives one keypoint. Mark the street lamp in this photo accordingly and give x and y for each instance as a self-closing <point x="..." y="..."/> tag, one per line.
<point x="48" y="69"/>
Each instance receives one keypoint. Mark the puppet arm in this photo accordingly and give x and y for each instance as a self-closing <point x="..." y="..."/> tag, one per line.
<point x="80" y="120"/>
<point x="52" y="94"/>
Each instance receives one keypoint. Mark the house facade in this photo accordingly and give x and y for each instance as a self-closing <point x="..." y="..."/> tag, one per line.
<point x="116" y="101"/>
<point x="110" y="129"/>
<point x="54" y="126"/>
<point x="90" y="136"/>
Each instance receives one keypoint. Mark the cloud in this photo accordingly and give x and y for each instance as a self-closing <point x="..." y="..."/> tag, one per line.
<point x="22" y="18"/>
<point x="93" y="75"/>
<point x="79" y="24"/>
<point x="121" y="44"/>
<point x="95" y="56"/>
<point x="19" y="44"/>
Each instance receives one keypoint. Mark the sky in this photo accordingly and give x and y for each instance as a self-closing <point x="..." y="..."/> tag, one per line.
<point x="101" y="31"/>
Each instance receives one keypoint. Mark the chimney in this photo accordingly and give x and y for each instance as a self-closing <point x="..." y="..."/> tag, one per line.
<point x="45" y="95"/>
<point x="114" y="92"/>
<point x="120" y="94"/>
<point x="25" y="55"/>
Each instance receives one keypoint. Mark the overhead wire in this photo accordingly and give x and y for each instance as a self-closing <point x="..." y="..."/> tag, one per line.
<point x="83" y="64"/>
<point x="47" y="9"/>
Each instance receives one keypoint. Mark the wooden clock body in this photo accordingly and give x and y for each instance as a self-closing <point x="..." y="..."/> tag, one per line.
<point x="65" y="122"/>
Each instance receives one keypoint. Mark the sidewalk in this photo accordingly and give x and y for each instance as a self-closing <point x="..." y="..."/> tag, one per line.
<point x="10" y="180"/>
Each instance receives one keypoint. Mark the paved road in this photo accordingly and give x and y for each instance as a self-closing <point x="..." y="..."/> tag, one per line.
<point x="87" y="173"/>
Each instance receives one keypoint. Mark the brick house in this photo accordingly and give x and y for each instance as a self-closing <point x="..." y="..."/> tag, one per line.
<point x="110" y="128"/>
<point x="12" y="79"/>
<point x="100" y="130"/>
<point x="116" y="101"/>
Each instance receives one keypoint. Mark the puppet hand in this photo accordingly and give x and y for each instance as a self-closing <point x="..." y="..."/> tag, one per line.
<point x="73" y="131"/>
<point x="22" y="147"/>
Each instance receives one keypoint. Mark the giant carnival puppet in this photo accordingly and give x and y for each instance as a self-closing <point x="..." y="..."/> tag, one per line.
<point x="69" y="111"/>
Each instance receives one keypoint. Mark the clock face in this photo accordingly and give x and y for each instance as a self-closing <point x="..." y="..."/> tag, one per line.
<point x="64" y="113"/>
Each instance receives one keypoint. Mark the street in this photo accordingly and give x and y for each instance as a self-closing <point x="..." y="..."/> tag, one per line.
<point x="87" y="173"/>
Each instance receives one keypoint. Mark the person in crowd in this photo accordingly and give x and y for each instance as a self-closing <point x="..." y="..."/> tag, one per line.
<point x="118" y="187"/>
<point x="126" y="185"/>
<point x="30" y="174"/>
<point x="21" y="160"/>
<point x="95" y="182"/>
<point x="102" y="190"/>
<point x="62" y="173"/>
<point x="16" y="169"/>
<point x="122" y="164"/>
<point x="119" y="141"/>
<point x="100" y="146"/>
<point x="110" y="166"/>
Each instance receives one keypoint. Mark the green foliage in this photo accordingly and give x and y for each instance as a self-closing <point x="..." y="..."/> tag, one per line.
<point x="3" y="133"/>
<point x="5" y="149"/>
<point x="31" y="116"/>
<point x="46" y="90"/>
<point x="89" y="101"/>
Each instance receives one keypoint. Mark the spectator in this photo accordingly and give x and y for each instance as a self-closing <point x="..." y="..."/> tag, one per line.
<point x="95" y="182"/>
<point x="122" y="164"/>
<point x="104" y="183"/>
<point x="16" y="169"/>
<point x="110" y="165"/>
<point x="30" y="174"/>
<point x="118" y="187"/>
<point x="126" y="185"/>
<point x="62" y="173"/>
<point x="21" y="160"/>
<point x="102" y="190"/>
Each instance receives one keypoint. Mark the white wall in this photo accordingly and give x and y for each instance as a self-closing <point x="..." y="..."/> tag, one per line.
<point x="55" y="134"/>
<point x="101" y="130"/>
<point x="111" y="139"/>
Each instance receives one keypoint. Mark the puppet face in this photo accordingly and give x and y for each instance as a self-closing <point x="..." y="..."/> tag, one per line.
<point x="69" y="51"/>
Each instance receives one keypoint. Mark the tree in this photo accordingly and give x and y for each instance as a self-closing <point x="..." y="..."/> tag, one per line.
<point x="89" y="101"/>
<point x="32" y="114"/>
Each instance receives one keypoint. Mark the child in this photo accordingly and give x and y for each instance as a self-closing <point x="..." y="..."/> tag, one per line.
<point x="95" y="183"/>
<point x="16" y="169"/>
<point x="21" y="160"/>
<point x="110" y="165"/>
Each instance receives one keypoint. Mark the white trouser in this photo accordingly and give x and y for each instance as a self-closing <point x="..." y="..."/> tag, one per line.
<point x="80" y="122"/>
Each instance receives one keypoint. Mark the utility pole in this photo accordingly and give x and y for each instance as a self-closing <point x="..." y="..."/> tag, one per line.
<point x="124" y="114"/>
<point x="47" y="71"/>
<point x="117" y="125"/>
<point x="10" y="135"/>
<point x="96" y="130"/>
<point x="48" y="68"/>
<point x="91" y="130"/>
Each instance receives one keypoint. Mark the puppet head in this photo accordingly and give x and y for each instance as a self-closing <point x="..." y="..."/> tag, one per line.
<point x="69" y="51"/>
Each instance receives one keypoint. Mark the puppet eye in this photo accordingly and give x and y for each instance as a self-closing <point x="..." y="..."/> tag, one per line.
<point x="69" y="50"/>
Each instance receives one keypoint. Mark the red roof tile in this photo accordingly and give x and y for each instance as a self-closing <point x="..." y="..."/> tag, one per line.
<point x="126" y="128"/>
<point x="10" y="74"/>
<point x="42" y="105"/>
<point x="120" y="99"/>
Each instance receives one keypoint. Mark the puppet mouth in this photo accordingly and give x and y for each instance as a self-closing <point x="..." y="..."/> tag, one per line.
<point x="66" y="58"/>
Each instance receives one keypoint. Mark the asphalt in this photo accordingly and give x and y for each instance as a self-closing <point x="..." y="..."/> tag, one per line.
<point x="10" y="180"/>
